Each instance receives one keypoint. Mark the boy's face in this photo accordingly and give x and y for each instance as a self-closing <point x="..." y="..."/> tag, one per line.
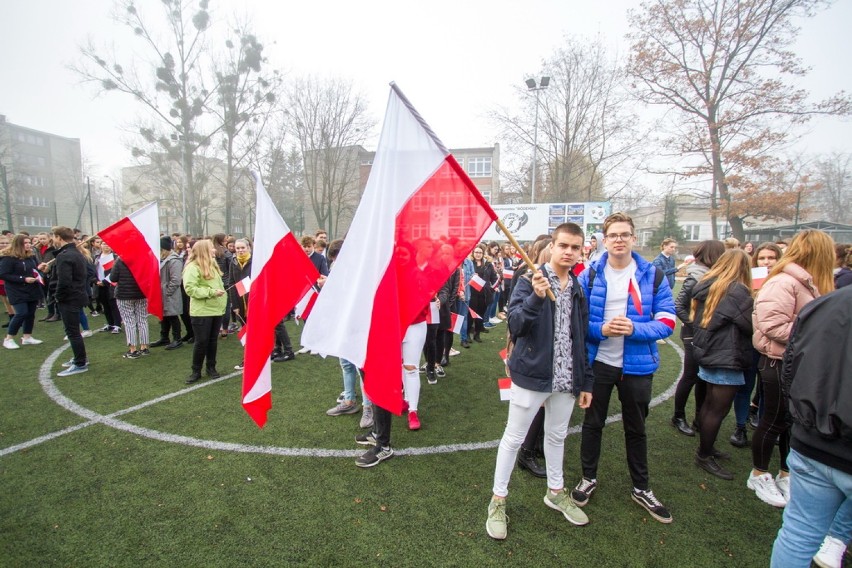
<point x="619" y="240"/>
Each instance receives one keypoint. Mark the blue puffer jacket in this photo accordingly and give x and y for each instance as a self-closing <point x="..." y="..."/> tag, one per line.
<point x="656" y="321"/>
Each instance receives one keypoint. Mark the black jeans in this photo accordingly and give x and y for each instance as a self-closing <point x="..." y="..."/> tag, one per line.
<point x="170" y="324"/>
<point x="773" y="423"/>
<point x="634" y="392"/>
<point x="430" y="346"/>
<point x="206" y="330"/>
<point x="282" y="338"/>
<point x="71" y="320"/>
<point x="382" y="425"/>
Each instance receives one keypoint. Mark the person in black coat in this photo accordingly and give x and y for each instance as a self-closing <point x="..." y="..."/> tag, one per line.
<point x="479" y="299"/>
<point x="72" y="282"/>
<point x="18" y="271"/>
<point x="722" y="328"/>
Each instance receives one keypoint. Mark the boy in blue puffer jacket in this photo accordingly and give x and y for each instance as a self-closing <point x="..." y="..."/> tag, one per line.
<point x="630" y="308"/>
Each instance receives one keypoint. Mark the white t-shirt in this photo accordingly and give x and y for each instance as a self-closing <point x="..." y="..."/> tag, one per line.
<point x="611" y="350"/>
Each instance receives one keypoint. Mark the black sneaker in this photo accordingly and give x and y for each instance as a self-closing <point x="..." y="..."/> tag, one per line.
<point x="132" y="355"/>
<point x="712" y="467"/>
<point x="213" y="373"/>
<point x="374" y="456"/>
<point x="144" y="352"/>
<point x="651" y="504"/>
<point x="194" y="377"/>
<point x="367" y="439"/>
<point x="583" y="491"/>
<point x="283" y="357"/>
<point x="160" y="343"/>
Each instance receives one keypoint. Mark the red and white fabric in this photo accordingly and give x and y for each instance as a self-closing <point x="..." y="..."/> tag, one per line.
<point x="281" y="273"/>
<point x="136" y="239"/>
<point x="416" y="192"/>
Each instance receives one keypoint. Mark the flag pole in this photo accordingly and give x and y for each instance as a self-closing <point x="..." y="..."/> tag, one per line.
<point x="520" y="249"/>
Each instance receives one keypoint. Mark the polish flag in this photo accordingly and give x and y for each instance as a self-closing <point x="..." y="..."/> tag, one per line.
<point x="281" y="273"/>
<point x="508" y="273"/>
<point x="38" y="277"/>
<point x="477" y="282"/>
<point x="635" y="295"/>
<point x="243" y="286"/>
<point x="456" y="323"/>
<point x="434" y="314"/>
<point x="473" y="314"/>
<point x="136" y="239"/>
<point x="105" y="263"/>
<point x="505" y="386"/>
<point x="416" y="194"/>
<point x="758" y="277"/>
<point x="306" y="304"/>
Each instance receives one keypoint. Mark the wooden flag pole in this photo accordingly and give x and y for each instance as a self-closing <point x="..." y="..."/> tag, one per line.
<point x="524" y="256"/>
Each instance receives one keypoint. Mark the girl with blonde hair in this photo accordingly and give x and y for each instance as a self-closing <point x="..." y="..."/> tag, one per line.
<point x="18" y="272"/>
<point x="202" y="280"/>
<point x="803" y="273"/>
<point x="721" y="319"/>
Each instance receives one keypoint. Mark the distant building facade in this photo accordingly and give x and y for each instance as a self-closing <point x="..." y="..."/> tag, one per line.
<point x="44" y="174"/>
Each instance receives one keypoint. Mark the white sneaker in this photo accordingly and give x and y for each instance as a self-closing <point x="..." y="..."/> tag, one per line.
<point x="86" y="333"/>
<point x="495" y="320"/>
<point x="831" y="553"/>
<point x="31" y="341"/>
<point x="366" y="417"/>
<point x="764" y="487"/>
<point x="303" y="350"/>
<point x="783" y="485"/>
<point x="454" y="352"/>
<point x="10" y="344"/>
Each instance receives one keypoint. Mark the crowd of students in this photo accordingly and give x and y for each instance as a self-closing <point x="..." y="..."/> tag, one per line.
<point x="598" y="333"/>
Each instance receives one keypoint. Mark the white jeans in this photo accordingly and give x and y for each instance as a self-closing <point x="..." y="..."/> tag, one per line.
<point x="412" y="346"/>
<point x="523" y="406"/>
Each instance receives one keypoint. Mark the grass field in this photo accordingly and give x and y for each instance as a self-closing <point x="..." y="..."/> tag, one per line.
<point x="125" y="489"/>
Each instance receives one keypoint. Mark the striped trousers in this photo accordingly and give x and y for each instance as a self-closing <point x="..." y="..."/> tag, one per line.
<point x="134" y="314"/>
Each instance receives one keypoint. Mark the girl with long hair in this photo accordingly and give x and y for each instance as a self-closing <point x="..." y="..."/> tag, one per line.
<point x="202" y="280"/>
<point x="224" y="258"/>
<point x="18" y="272"/>
<point x="706" y="254"/>
<point x="803" y="274"/>
<point x="721" y="319"/>
<point x="479" y="299"/>
<point x="10" y="312"/>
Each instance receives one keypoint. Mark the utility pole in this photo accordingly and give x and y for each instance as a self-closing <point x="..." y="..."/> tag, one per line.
<point x="92" y="229"/>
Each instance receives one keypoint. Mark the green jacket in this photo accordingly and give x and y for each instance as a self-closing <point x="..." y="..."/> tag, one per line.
<point x="202" y="293"/>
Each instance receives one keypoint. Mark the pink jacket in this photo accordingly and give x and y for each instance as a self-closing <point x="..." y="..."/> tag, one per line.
<point x="776" y="307"/>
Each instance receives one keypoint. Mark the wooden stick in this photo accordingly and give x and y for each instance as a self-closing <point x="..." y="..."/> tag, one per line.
<point x="524" y="256"/>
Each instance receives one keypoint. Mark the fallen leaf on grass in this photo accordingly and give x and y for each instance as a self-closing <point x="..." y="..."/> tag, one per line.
<point x="209" y="457"/>
<point x="702" y="486"/>
<point x="383" y="508"/>
<point x="359" y="500"/>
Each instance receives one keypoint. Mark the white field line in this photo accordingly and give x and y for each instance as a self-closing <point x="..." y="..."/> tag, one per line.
<point x="92" y="417"/>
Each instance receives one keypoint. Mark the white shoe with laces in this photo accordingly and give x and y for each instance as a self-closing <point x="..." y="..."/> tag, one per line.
<point x="764" y="487"/>
<point x="831" y="553"/>
<point x="783" y="485"/>
<point x="31" y="341"/>
<point x="10" y="344"/>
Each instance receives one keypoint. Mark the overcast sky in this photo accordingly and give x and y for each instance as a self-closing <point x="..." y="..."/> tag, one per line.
<point x="454" y="60"/>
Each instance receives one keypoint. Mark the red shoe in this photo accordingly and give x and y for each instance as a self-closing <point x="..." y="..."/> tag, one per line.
<point x="413" y="421"/>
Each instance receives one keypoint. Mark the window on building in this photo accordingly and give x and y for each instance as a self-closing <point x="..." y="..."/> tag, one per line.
<point x="692" y="232"/>
<point x="486" y="195"/>
<point x="723" y="230"/>
<point x="479" y="167"/>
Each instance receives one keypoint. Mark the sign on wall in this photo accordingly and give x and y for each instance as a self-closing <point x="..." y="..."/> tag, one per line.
<point x="527" y="221"/>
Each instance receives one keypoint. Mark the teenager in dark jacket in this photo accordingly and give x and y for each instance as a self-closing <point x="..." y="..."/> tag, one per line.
<point x="133" y="307"/>
<point x="18" y="271"/>
<point x="479" y="299"/>
<point x="548" y="367"/>
<point x="815" y="376"/>
<point x="706" y="254"/>
<point x="71" y="277"/>
<point x="721" y="319"/>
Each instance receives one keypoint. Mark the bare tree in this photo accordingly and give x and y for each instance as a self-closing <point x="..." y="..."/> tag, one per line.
<point x="709" y="61"/>
<point x="834" y="172"/>
<point x="587" y="134"/>
<point x="330" y="122"/>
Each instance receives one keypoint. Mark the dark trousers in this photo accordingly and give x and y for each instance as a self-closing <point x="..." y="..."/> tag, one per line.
<point x="430" y="347"/>
<point x="716" y="406"/>
<point x="206" y="333"/>
<point x="110" y="306"/>
<point x="71" y="320"/>
<point x="170" y="324"/>
<point x="25" y="313"/>
<point x="688" y="380"/>
<point x="634" y="392"/>
<point x="773" y="423"/>
<point x="444" y="342"/>
<point x="282" y="338"/>
<point x="382" y="425"/>
<point x="187" y="320"/>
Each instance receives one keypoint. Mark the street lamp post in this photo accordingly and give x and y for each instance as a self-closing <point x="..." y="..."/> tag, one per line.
<point x="532" y="85"/>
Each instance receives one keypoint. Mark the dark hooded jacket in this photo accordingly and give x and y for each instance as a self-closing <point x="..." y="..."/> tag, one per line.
<point x="725" y="342"/>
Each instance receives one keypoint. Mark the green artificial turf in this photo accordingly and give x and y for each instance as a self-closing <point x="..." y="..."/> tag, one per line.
<point x="104" y="496"/>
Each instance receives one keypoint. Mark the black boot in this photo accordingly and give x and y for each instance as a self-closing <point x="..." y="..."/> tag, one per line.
<point x="476" y="337"/>
<point x="739" y="439"/>
<point x="527" y="460"/>
<point x="682" y="426"/>
<point x="163" y="341"/>
<point x="445" y="361"/>
<point x="213" y="373"/>
<point x="194" y="377"/>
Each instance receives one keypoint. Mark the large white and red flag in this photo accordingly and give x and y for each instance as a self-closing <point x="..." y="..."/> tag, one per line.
<point x="281" y="273"/>
<point x="419" y="217"/>
<point x="136" y="240"/>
